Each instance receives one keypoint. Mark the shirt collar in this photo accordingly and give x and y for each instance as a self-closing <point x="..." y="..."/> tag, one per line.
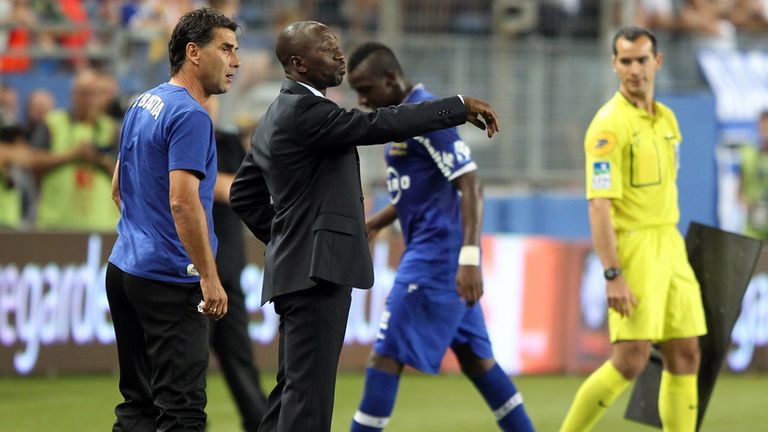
<point x="418" y="86"/>
<point x="314" y="91"/>
<point x="634" y="105"/>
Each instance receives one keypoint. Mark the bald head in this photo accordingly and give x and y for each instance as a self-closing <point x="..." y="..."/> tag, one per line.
<point x="296" y="39"/>
<point x="85" y="95"/>
<point x="309" y="52"/>
<point x="84" y="79"/>
<point x="39" y="102"/>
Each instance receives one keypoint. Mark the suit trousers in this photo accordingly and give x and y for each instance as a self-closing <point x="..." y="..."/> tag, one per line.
<point x="312" y="327"/>
<point x="162" y="346"/>
<point x="234" y="350"/>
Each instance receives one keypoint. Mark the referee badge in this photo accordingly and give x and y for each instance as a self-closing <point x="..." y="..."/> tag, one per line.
<point x="602" y="144"/>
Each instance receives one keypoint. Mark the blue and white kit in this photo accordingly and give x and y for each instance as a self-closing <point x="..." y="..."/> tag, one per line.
<point x="424" y="314"/>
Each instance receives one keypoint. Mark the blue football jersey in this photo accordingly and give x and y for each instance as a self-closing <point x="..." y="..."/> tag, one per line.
<point x="419" y="175"/>
<point x="165" y="129"/>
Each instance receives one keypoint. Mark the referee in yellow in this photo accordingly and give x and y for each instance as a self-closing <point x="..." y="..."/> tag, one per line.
<point x="653" y="297"/>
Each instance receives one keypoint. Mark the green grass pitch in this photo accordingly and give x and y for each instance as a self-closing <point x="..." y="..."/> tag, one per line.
<point x="424" y="404"/>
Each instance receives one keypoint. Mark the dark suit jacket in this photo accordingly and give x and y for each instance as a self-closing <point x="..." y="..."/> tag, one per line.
<point x="298" y="189"/>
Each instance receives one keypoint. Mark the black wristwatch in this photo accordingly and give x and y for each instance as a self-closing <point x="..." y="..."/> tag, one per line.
<point x="611" y="273"/>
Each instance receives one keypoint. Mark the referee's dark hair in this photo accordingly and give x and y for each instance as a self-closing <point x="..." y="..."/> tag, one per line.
<point x="382" y="59"/>
<point x="197" y="27"/>
<point x="632" y="33"/>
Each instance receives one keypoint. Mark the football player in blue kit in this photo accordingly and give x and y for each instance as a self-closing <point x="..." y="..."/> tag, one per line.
<point x="436" y="195"/>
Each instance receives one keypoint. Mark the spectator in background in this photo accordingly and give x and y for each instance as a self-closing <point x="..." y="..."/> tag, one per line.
<point x="9" y="105"/>
<point x="230" y="8"/>
<point x="17" y="188"/>
<point x="331" y="12"/>
<point x="753" y="181"/>
<point x="427" y="16"/>
<point x="109" y="96"/>
<point x="259" y="79"/>
<point x="229" y="336"/>
<point x="107" y="12"/>
<point x="78" y="195"/>
<point x="151" y="26"/>
<point x="557" y="17"/>
<point x="750" y="15"/>
<point x="157" y="18"/>
<point x="39" y="103"/>
<point x="658" y="14"/>
<point x="76" y="37"/>
<point x="5" y="13"/>
<point x="128" y="8"/>
<point x="25" y="150"/>
<point x="363" y="15"/>
<point x="63" y="27"/>
<point x="18" y="17"/>
<point x="11" y="138"/>
<point x="706" y="21"/>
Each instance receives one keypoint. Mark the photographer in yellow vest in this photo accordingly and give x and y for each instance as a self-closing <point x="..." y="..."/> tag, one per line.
<point x="76" y="195"/>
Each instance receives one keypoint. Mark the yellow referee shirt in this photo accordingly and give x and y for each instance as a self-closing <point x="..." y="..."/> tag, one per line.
<point x="632" y="157"/>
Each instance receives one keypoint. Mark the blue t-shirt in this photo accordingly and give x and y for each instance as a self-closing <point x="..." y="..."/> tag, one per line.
<point x="419" y="175"/>
<point x="164" y="130"/>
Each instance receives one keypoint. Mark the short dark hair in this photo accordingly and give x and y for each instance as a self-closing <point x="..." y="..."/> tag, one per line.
<point x="382" y="58"/>
<point x="633" y="33"/>
<point x="197" y="27"/>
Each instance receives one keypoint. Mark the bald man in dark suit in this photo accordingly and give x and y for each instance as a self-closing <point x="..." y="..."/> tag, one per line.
<point x="298" y="191"/>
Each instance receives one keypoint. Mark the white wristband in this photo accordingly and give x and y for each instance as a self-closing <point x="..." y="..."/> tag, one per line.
<point x="469" y="255"/>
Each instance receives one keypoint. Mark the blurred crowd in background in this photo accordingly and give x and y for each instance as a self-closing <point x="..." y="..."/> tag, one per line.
<point x="69" y="69"/>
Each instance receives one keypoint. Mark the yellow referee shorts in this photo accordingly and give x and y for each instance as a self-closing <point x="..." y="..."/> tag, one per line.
<point x="655" y="265"/>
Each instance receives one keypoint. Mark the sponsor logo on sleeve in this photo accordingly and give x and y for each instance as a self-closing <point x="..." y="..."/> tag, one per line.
<point x="601" y="175"/>
<point x="398" y="149"/>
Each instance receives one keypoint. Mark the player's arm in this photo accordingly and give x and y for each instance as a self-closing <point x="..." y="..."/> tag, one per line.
<point x="619" y="296"/>
<point x="222" y="186"/>
<point x="379" y="221"/>
<point x="192" y="228"/>
<point x="469" y="279"/>
<point x="116" y="186"/>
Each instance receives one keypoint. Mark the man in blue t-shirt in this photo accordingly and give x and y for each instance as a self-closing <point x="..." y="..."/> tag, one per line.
<point x="437" y="197"/>
<point x="162" y="281"/>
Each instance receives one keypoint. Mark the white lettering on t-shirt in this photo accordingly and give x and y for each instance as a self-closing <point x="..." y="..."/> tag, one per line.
<point x="151" y="103"/>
